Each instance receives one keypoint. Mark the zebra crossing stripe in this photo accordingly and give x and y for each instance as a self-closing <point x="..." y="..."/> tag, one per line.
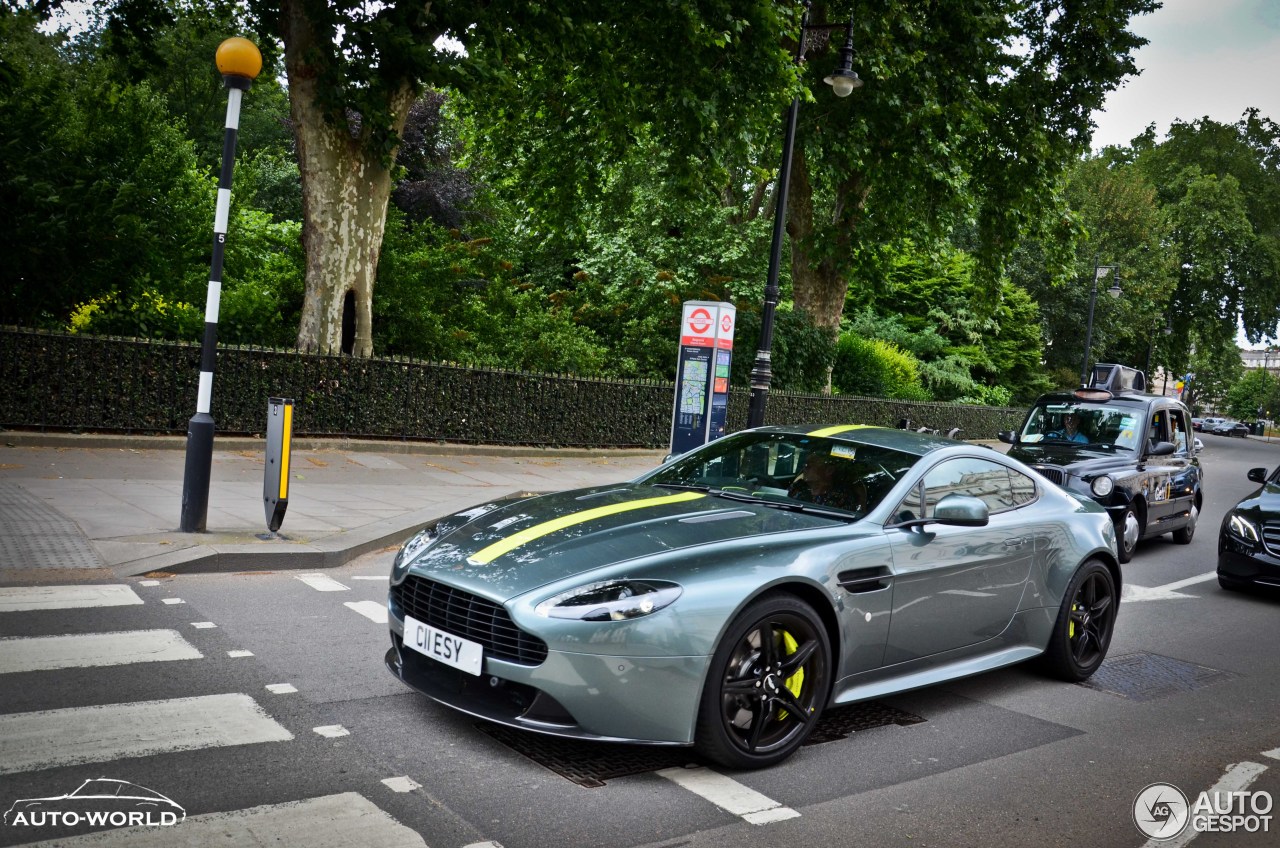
<point x="40" y="653"/>
<point x="22" y="598"/>
<point x="372" y="610"/>
<point x="53" y="738"/>
<point x="323" y="583"/>
<point x="331" y="821"/>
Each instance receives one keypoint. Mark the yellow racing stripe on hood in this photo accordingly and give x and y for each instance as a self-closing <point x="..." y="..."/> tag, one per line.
<point x="839" y="428"/>
<point x="488" y="554"/>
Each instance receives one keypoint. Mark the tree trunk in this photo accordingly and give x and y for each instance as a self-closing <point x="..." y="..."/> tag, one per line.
<point x="819" y="286"/>
<point x="345" y="190"/>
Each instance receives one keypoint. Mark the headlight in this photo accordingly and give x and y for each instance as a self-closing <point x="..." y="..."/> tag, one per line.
<point x="1243" y="528"/>
<point x="1102" y="486"/>
<point x="409" y="552"/>
<point x="614" y="600"/>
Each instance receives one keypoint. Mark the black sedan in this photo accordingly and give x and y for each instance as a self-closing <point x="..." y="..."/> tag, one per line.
<point x="1231" y="428"/>
<point x="1249" y="541"/>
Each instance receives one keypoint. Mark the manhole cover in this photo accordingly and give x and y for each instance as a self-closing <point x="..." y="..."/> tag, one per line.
<point x="590" y="764"/>
<point x="1148" y="677"/>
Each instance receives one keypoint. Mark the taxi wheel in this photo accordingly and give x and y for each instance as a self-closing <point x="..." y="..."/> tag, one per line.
<point x="1183" y="535"/>
<point x="1086" y="620"/>
<point x="1128" y="532"/>
<point x="767" y="685"/>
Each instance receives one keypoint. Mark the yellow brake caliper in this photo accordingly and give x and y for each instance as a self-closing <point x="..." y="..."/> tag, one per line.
<point x="795" y="681"/>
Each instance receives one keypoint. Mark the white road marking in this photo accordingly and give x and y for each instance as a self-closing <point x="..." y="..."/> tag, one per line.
<point x="149" y="583"/>
<point x="239" y="653"/>
<point x="489" y="844"/>
<point x="1237" y="778"/>
<point x="333" y="821"/>
<point x="1167" y="592"/>
<point x="281" y="688"/>
<point x="87" y="650"/>
<point x="54" y="738"/>
<point x="384" y="577"/>
<point x="323" y="583"/>
<point x="1273" y="754"/>
<point x="332" y="731"/>
<point x="172" y="601"/>
<point x="22" y="598"/>
<point x="372" y="610"/>
<point x="203" y="625"/>
<point x="401" y="784"/>
<point x="729" y="795"/>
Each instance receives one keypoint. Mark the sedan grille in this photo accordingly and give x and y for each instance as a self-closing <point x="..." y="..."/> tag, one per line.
<point x="470" y="617"/>
<point x="1271" y="537"/>
<point x="1054" y="475"/>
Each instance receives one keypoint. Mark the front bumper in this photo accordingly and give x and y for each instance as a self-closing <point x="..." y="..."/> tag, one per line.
<point x="650" y="700"/>
<point x="1241" y="563"/>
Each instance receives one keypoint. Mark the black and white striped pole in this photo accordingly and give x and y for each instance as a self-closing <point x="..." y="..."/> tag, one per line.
<point x="239" y="62"/>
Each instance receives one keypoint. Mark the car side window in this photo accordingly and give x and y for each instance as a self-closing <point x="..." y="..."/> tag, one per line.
<point x="1180" y="430"/>
<point x="1158" y="431"/>
<point x="1023" y="487"/>
<point x="980" y="478"/>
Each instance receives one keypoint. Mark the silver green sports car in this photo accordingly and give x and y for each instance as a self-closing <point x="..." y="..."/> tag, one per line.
<point x="726" y="598"/>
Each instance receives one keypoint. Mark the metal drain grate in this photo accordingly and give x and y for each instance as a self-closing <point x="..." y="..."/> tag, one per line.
<point x="590" y="764"/>
<point x="1148" y="677"/>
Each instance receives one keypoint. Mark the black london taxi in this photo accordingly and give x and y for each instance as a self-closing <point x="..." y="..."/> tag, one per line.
<point x="1131" y="452"/>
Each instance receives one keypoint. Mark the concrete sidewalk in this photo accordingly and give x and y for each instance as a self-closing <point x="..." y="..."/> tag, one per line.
<point x="109" y="506"/>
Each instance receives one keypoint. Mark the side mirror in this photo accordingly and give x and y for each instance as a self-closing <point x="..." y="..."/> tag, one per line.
<point x="962" y="511"/>
<point x="1258" y="475"/>
<point x="1197" y="445"/>
<point x="1008" y="437"/>
<point x="1162" y="449"/>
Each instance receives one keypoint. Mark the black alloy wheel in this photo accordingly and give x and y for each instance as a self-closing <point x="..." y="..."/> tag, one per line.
<point x="767" y="685"/>
<point x="1086" y="620"/>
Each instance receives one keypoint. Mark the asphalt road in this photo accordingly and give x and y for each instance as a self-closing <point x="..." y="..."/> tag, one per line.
<point x="1191" y="690"/>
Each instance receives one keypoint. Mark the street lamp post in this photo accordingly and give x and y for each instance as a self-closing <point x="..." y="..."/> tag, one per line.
<point x="240" y="63"/>
<point x="842" y="81"/>
<point x="1099" y="272"/>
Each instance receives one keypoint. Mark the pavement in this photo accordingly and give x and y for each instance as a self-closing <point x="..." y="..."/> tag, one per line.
<point x="103" y="507"/>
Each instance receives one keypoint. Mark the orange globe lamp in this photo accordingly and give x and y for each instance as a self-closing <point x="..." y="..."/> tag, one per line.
<point x="239" y="57"/>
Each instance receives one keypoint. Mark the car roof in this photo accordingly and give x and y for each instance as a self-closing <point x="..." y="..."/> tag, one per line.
<point x="1137" y="400"/>
<point x="906" y="441"/>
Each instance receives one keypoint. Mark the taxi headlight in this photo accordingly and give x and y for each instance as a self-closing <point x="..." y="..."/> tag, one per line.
<point x="410" y="550"/>
<point x="1242" y="528"/>
<point x="613" y="600"/>
<point x="1102" y="486"/>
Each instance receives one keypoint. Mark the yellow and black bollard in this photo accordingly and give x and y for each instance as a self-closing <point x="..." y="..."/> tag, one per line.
<point x="275" y="483"/>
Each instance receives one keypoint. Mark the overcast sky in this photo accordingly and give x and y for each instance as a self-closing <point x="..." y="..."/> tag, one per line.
<point x="1210" y="58"/>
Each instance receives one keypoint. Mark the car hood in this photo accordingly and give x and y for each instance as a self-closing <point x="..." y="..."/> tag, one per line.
<point x="1079" y="459"/>
<point x="505" y="549"/>
<point x="1264" y="501"/>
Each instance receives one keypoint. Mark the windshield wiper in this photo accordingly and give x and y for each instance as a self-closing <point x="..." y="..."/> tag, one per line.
<point x="792" y="506"/>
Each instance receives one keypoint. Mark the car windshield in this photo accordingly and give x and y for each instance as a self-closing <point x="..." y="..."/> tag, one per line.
<point x="791" y="470"/>
<point x="1093" y="424"/>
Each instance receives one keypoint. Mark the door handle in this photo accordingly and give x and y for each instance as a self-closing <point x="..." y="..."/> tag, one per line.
<point x="1015" y="543"/>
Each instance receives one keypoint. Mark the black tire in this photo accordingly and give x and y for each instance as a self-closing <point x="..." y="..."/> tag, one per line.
<point x="1086" y="621"/>
<point x="1183" y="535"/>
<point x="1124" y="546"/>
<point x="768" y="682"/>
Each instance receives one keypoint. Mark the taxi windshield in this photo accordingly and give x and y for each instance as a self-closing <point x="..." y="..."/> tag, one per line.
<point x="1083" y="424"/>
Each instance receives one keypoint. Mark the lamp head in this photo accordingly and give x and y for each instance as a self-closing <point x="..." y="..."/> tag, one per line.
<point x="239" y="57"/>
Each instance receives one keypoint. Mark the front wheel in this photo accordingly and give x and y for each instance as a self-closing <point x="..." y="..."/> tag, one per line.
<point x="1184" y="534"/>
<point x="766" y="686"/>
<point x="1086" y="620"/>
<point x="1128" y="531"/>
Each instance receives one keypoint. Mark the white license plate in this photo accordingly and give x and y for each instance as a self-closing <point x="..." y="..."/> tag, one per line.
<point x="441" y="646"/>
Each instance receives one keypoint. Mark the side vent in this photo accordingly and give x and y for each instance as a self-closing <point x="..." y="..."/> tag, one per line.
<point x="861" y="580"/>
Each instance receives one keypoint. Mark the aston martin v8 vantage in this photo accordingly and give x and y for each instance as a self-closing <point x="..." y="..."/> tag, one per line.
<point x="728" y="597"/>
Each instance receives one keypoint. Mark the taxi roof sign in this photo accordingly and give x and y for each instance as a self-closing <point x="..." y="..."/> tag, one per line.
<point x="1116" y="379"/>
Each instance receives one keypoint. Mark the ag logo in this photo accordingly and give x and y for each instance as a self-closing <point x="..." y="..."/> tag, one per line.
<point x="1161" y="811"/>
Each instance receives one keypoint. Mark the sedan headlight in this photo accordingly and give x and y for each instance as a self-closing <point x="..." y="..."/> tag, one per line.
<point x="1242" y="528"/>
<point x="1102" y="486"/>
<point x="613" y="600"/>
<point x="410" y="550"/>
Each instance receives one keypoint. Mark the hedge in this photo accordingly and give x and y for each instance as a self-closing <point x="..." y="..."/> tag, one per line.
<point x="56" y="381"/>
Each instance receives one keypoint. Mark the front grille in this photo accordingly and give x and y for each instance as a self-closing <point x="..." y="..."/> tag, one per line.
<point x="1054" y="475"/>
<point x="471" y="617"/>
<point x="1271" y="537"/>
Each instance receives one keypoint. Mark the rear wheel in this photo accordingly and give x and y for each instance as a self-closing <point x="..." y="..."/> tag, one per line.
<point x="767" y="685"/>
<point x="1086" y="620"/>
